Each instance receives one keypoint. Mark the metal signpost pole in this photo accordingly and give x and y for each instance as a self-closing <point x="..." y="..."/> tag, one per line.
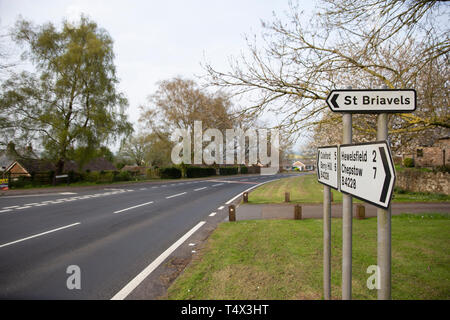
<point x="326" y="242"/>
<point x="384" y="228"/>
<point x="347" y="214"/>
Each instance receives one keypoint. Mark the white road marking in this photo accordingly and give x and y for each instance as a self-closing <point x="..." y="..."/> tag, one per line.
<point x="220" y="208"/>
<point x="175" y="195"/>
<point x="67" y="193"/>
<point x="198" y="189"/>
<point x="154" y="187"/>
<point x="139" y="205"/>
<point x="39" y="234"/>
<point x="255" y="186"/>
<point x="143" y="189"/>
<point x="30" y="204"/>
<point x="5" y="210"/>
<point x="215" y="185"/>
<point x="125" y="291"/>
<point x="213" y="214"/>
<point x="20" y="208"/>
<point x="12" y="207"/>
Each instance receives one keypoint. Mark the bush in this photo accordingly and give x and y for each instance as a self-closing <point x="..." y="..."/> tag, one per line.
<point x="122" y="176"/>
<point x="170" y="173"/>
<point x="197" y="172"/>
<point x="408" y="162"/>
<point x="244" y="169"/>
<point x="228" y="171"/>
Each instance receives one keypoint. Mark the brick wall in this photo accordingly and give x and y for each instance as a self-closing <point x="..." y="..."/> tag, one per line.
<point x="418" y="181"/>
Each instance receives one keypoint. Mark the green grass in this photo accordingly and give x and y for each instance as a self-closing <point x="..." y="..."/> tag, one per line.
<point x="306" y="189"/>
<point x="282" y="259"/>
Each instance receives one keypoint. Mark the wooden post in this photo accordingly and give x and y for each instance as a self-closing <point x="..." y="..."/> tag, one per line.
<point x="360" y="211"/>
<point x="298" y="212"/>
<point x="231" y="213"/>
<point x="331" y="197"/>
<point x="245" y="197"/>
<point x="287" y="197"/>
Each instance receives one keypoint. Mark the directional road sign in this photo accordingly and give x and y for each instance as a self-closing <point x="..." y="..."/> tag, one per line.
<point x="367" y="172"/>
<point x="372" y="101"/>
<point x="327" y="166"/>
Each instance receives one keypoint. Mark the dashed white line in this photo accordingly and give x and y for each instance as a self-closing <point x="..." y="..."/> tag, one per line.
<point x="176" y="195"/>
<point x="198" y="189"/>
<point x="1" y="211"/>
<point x="125" y="291"/>
<point x="39" y="234"/>
<point x="216" y="185"/>
<point x="220" y="208"/>
<point x="12" y="207"/>
<point x="212" y="214"/>
<point x="139" y="205"/>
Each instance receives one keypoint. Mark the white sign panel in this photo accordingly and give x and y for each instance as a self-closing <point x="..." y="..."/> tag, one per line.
<point x="372" y="101"/>
<point x="367" y="172"/>
<point x="327" y="166"/>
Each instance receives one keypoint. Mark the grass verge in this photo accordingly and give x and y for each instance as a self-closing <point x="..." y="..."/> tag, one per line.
<point x="306" y="189"/>
<point x="282" y="259"/>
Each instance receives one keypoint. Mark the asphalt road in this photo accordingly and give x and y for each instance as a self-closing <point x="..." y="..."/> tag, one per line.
<point x="111" y="234"/>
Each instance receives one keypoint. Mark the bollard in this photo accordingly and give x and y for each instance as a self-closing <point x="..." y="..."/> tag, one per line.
<point x="360" y="212"/>
<point x="298" y="212"/>
<point x="287" y="197"/>
<point x="245" y="197"/>
<point x="231" y="213"/>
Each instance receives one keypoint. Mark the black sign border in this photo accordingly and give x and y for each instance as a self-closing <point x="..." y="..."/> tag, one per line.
<point x="338" y="164"/>
<point x="376" y="111"/>
<point x="393" y="168"/>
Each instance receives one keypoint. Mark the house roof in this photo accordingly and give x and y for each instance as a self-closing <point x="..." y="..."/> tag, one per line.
<point x="99" y="164"/>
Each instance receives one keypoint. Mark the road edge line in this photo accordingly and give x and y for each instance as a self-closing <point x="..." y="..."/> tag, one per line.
<point x="136" y="281"/>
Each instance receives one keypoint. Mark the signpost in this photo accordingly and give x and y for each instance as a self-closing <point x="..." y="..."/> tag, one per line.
<point x="327" y="166"/>
<point x="367" y="172"/>
<point x="372" y="101"/>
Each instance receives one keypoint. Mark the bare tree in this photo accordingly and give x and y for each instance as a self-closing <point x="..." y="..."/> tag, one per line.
<point x="370" y="44"/>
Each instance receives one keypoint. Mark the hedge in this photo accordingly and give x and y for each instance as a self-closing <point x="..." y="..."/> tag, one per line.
<point x="228" y="171"/>
<point x="197" y="172"/>
<point x="170" y="173"/>
<point x="244" y="169"/>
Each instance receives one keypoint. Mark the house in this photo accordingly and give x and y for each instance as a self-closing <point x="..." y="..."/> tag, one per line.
<point x="26" y="167"/>
<point x="300" y="165"/>
<point x="10" y="154"/>
<point x="23" y="167"/>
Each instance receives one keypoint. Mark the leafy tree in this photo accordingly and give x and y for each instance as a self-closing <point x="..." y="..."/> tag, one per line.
<point x="72" y="99"/>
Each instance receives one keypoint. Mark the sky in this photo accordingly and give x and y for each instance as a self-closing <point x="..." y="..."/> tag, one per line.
<point x="156" y="40"/>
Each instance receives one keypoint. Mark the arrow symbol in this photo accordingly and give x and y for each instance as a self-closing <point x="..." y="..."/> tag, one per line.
<point x="387" y="179"/>
<point x="333" y="100"/>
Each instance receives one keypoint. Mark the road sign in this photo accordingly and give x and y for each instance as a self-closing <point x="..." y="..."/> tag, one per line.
<point x="372" y="101"/>
<point x="327" y="166"/>
<point x="367" y="172"/>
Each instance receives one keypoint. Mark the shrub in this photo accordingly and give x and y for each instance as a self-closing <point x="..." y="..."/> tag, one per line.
<point x="408" y="162"/>
<point x="197" y="172"/>
<point x="170" y="173"/>
<point x="244" y="169"/>
<point x="228" y="171"/>
<point x="122" y="176"/>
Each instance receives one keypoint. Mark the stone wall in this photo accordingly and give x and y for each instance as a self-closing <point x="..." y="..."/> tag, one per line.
<point x="419" y="181"/>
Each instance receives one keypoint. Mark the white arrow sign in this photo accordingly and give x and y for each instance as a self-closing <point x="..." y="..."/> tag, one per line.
<point x="327" y="166"/>
<point x="372" y="101"/>
<point x="367" y="172"/>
